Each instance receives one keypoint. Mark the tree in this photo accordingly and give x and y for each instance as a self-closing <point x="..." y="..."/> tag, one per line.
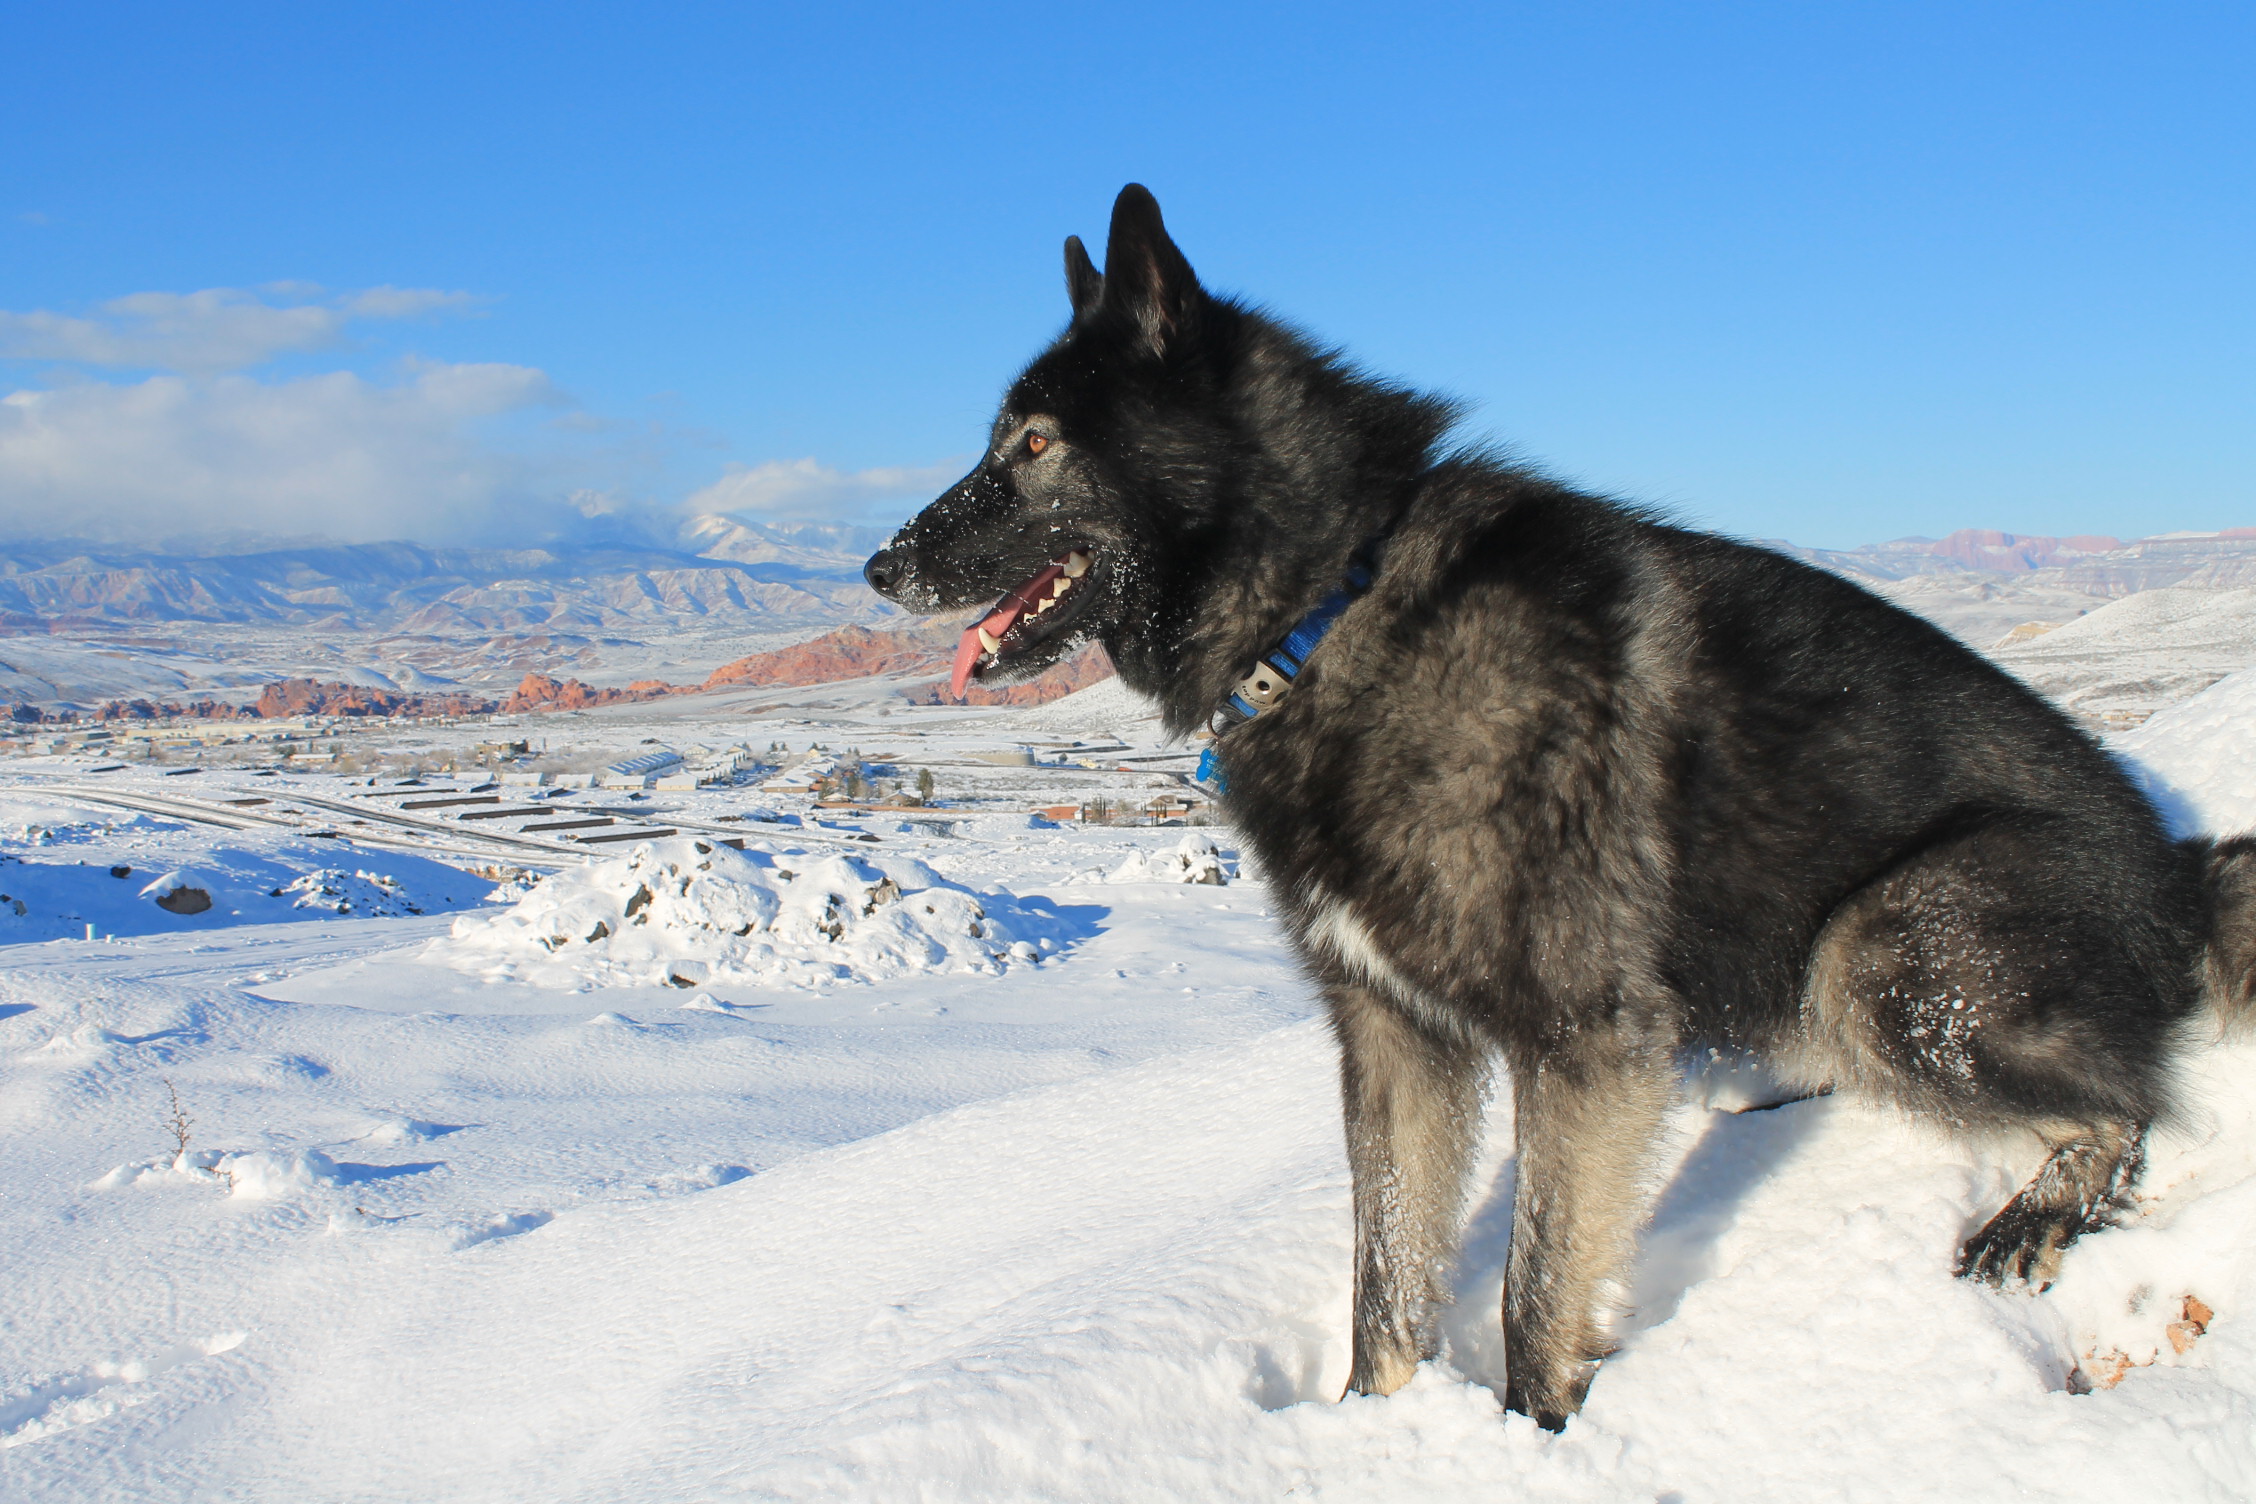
<point x="924" y="783"/>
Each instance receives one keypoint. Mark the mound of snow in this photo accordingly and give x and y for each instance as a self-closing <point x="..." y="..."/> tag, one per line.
<point x="263" y="1176"/>
<point x="686" y="913"/>
<point x="1101" y="707"/>
<point x="371" y="895"/>
<point x="1195" y="859"/>
<point x="250" y="1175"/>
<point x="2199" y="758"/>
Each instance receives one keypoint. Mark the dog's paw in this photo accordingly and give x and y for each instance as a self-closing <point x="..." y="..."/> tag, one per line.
<point x="2023" y="1245"/>
<point x="1550" y="1404"/>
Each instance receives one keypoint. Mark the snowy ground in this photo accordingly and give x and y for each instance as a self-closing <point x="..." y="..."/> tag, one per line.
<point x="2141" y="653"/>
<point x="961" y="1225"/>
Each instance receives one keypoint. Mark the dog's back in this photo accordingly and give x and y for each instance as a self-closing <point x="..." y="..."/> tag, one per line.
<point x="1718" y="743"/>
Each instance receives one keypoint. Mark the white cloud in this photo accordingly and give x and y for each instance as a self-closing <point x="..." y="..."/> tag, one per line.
<point x="331" y="455"/>
<point x="433" y="452"/>
<point x="218" y="329"/>
<point x="808" y="489"/>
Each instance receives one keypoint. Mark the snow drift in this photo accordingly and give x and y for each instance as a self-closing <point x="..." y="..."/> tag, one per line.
<point x="1195" y="859"/>
<point x="687" y="913"/>
<point x="2199" y="758"/>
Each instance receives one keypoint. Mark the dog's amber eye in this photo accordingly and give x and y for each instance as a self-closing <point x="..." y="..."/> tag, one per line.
<point x="1035" y="443"/>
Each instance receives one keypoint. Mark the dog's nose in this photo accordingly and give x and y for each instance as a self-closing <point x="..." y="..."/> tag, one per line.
<point x="884" y="571"/>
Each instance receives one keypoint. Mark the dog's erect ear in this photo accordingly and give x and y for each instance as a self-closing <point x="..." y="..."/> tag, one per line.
<point x="1146" y="280"/>
<point x="1084" y="284"/>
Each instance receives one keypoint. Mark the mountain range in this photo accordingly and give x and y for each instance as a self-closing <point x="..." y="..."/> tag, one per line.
<point x="1981" y="585"/>
<point x="765" y="574"/>
<point x="82" y="625"/>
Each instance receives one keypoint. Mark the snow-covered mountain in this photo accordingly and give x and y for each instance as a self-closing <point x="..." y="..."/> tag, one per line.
<point x="762" y="574"/>
<point x="81" y="624"/>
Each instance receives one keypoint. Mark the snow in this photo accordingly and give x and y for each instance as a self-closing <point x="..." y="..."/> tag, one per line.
<point x="2199" y="757"/>
<point x="1105" y="706"/>
<point x="64" y="868"/>
<point x="1195" y="859"/>
<point x="2147" y="651"/>
<point x="898" y="1213"/>
<point x="685" y="913"/>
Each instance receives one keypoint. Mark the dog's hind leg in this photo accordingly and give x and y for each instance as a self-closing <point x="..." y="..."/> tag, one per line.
<point x="1982" y="985"/>
<point x="2084" y="1185"/>
<point x="1587" y="1120"/>
<point x="1411" y="1101"/>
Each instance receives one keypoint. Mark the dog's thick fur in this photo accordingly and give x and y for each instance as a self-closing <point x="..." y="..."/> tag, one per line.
<point x="1576" y="790"/>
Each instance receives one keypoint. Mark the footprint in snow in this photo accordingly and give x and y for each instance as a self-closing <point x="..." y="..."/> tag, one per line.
<point x="505" y="1225"/>
<point x="96" y="1392"/>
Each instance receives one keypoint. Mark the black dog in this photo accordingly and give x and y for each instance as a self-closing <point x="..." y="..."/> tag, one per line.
<point x="1567" y="786"/>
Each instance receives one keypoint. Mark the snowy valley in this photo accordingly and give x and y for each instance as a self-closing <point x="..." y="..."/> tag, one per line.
<point x="502" y="1118"/>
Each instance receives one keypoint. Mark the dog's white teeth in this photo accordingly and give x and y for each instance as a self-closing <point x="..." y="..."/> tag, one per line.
<point x="989" y="641"/>
<point x="1060" y="588"/>
<point x="1044" y="605"/>
<point x="1076" y="565"/>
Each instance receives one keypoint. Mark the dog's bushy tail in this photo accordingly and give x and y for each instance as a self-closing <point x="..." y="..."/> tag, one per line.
<point x="2228" y="965"/>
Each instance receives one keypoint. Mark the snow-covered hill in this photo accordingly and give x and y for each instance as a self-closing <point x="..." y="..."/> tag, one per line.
<point x="1980" y="585"/>
<point x="2137" y="654"/>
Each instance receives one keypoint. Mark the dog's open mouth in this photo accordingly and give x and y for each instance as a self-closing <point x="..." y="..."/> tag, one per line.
<point x="1034" y="612"/>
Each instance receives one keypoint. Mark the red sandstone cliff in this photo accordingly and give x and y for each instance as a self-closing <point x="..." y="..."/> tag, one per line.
<point x="286" y="697"/>
<point x="848" y="653"/>
<point x="926" y="648"/>
<point x="1087" y="667"/>
<point x="540" y="692"/>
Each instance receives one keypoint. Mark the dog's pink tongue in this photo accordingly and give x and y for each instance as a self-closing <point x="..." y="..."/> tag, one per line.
<point x="1000" y="620"/>
<point x="970" y="647"/>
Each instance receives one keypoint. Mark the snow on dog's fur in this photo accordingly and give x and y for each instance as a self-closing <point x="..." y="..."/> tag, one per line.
<point x="1577" y="790"/>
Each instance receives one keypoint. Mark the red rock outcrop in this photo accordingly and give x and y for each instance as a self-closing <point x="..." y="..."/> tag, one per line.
<point x="848" y="653"/>
<point x="288" y="697"/>
<point x="540" y="692"/>
<point x="1087" y="667"/>
<point x="151" y="710"/>
<point x="926" y="648"/>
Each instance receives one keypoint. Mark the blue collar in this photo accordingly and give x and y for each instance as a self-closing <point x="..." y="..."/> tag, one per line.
<point x="1273" y="673"/>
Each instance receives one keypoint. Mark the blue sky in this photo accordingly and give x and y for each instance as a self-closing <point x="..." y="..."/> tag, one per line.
<point x="1829" y="273"/>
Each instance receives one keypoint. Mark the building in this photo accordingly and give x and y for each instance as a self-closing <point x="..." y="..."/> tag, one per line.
<point x="640" y="772"/>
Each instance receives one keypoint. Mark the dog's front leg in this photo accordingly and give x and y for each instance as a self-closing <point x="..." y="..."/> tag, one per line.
<point x="1411" y="1101"/>
<point x="1586" y="1119"/>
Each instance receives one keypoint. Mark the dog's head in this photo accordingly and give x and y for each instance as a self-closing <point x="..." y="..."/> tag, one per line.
<point x="1177" y="476"/>
<point x="1100" y="477"/>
